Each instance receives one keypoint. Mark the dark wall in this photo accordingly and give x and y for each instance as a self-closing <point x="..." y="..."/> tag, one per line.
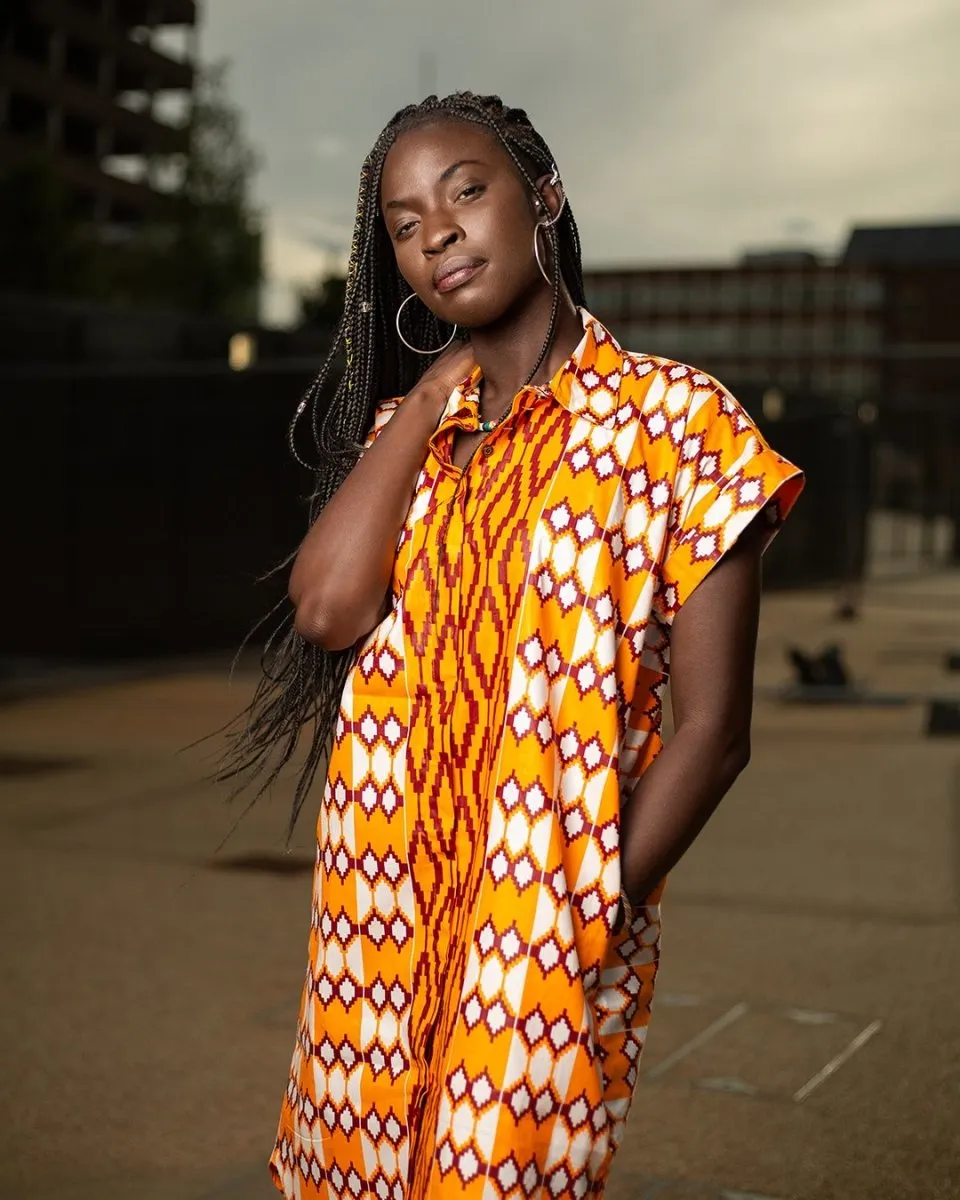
<point x="824" y="541"/>
<point x="139" y="511"/>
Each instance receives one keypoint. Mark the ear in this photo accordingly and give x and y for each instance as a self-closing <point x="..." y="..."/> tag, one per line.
<point x="550" y="198"/>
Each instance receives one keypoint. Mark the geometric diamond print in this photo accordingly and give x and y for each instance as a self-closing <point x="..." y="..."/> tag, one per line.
<point x="470" y="1025"/>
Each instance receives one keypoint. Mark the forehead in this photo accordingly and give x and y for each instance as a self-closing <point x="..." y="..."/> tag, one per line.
<point x="421" y="155"/>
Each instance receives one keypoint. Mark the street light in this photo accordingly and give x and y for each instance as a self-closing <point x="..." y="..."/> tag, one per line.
<point x="773" y="404"/>
<point x="241" y="351"/>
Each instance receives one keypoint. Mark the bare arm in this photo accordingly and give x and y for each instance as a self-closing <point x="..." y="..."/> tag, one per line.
<point x="712" y="649"/>
<point x="341" y="574"/>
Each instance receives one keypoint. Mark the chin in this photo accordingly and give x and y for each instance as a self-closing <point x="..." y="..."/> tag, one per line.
<point x="476" y="309"/>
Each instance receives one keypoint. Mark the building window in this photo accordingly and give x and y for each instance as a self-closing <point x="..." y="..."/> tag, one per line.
<point x="791" y="292"/>
<point x="865" y="292"/>
<point x="79" y="136"/>
<point x="731" y="294"/>
<point x="851" y="379"/>
<point x="606" y="297"/>
<point x="758" y="336"/>
<point x="30" y="40"/>
<point x="699" y="293"/>
<point x="668" y="336"/>
<point x="760" y="294"/>
<point x="82" y="62"/>
<point x="790" y="374"/>
<point x="862" y="336"/>
<point x="641" y="295"/>
<point x="693" y="340"/>
<point x="633" y="336"/>
<point x="791" y="336"/>
<point x="720" y="335"/>
<point x="668" y="298"/>
<point x="26" y="116"/>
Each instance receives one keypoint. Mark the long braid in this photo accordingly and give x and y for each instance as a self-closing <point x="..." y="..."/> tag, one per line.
<point x="301" y="684"/>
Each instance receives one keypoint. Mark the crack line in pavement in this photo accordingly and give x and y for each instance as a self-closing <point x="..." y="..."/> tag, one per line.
<point x="837" y="1061"/>
<point x="721" y="1023"/>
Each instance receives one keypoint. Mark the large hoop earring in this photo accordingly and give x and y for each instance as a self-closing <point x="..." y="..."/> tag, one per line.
<point x="536" y="248"/>
<point x="548" y="222"/>
<point x="416" y="349"/>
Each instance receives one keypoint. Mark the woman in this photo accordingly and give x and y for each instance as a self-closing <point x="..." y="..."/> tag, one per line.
<point x="486" y="608"/>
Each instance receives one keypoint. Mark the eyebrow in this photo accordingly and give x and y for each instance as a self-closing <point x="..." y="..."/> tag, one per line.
<point x="444" y="176"/>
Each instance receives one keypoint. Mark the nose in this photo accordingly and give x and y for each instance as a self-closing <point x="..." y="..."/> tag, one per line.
<point x="439" y="235"/>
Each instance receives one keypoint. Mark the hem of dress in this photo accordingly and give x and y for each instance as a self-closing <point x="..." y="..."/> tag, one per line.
<point x="275" y="1177"/>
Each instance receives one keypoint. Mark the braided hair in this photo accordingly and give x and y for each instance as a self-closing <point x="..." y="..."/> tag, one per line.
<point x="301" y="684"/>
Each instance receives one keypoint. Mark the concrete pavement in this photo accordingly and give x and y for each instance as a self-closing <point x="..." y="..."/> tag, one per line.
<point x="806" y="1036"/>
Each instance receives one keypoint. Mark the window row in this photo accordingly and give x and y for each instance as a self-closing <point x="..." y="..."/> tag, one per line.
<point x="675" y="338"/>
<point x="828" y="379"/>
<point x="731" y="292"/>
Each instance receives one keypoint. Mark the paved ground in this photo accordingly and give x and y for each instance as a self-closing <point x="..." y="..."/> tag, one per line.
<point x="806" y="1038"/>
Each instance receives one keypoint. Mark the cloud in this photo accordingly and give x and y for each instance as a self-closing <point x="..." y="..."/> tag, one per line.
<point x="328" y="146"/>
<point x="683" y="131"/>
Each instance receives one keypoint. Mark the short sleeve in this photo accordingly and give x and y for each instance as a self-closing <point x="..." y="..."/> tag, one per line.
<point x="380" y="419"/>
<point x="726" y="476"/>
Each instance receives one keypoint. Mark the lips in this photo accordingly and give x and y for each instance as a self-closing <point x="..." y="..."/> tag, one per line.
<point x="455" y="272"/>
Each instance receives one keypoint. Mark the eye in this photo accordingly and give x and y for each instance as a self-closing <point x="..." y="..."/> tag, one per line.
<point x="404" y="230"/>
<point x="471" y="190"/>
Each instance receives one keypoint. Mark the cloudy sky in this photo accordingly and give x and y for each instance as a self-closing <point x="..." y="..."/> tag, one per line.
<point x="685" y="131"/>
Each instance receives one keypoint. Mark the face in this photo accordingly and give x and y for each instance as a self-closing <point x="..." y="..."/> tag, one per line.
<point x="461" y="221"/>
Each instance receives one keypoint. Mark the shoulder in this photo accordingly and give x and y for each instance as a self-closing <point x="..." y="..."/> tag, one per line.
<point x="671" y="398"/>
<point x="652" y="386"/>
<point x="680" y="413"/>
<point x="650" y="382"/>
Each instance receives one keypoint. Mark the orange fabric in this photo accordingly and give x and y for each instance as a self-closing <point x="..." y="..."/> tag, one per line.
<point x="470" y="1025"/>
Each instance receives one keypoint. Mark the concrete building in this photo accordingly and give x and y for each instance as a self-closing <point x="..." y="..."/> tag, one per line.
<point x="96" y="85"/>
<point x="880" y="325"/>
<point x="857" y="363"/>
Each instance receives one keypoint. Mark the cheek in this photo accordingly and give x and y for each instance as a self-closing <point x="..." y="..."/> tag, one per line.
<point x="519" y="253"/>
<point x="518" y="234"/>
<point x="509" y="239"/>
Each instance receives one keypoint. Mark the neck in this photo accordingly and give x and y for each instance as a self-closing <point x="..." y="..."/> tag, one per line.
<point x="506" y="351"/>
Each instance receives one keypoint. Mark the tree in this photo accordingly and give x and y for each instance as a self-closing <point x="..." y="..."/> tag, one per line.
<point x="206" y="257"/>
<point x="322" y="303"/>
<point x="217" y="251"/>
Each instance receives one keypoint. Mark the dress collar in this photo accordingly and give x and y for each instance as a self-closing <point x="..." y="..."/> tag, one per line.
<point x="587" y="385"/>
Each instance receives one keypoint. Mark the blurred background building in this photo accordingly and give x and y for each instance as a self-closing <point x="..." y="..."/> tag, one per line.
<point x="806" y="1042"/>
<point x="124" y="167"/>
<point x="153" y="483"/>
<point x="151" y="464"/>
<point x="878" y="320"/>
<point x="89" y="82"/>
<point x="857" y="364"/>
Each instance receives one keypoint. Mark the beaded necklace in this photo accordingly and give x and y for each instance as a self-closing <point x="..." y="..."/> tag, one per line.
<point x="490" y="426"/>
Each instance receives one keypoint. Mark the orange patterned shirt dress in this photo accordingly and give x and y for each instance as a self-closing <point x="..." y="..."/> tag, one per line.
<point x="470" y="1024"/>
